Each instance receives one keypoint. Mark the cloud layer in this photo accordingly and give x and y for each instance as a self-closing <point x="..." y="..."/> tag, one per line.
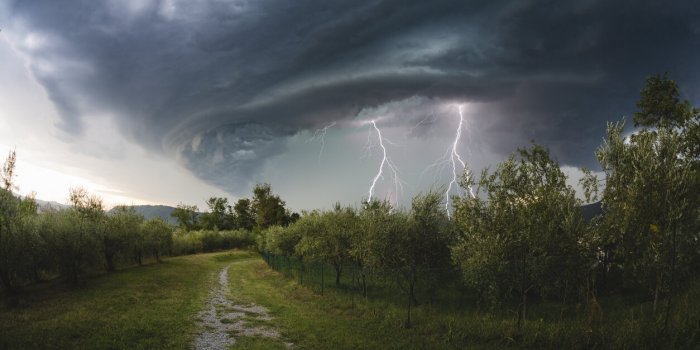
<point x="221" y="85"/>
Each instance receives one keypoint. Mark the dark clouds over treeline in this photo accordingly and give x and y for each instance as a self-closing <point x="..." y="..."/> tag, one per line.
<point x="221" y="84"/>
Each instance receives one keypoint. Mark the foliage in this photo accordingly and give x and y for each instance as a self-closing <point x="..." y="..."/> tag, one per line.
<point x="525" y="236"/>
<point x="326" y="236"/>
<point x="187" y="216"/>
<point x="651" y="223"/>
<point x="243" y="214"/>
<point x="191" y="242"/>
<point x="158" y="237"/>
<point x="122" y="237"/>
<point x="659" y="104"/>
<point x="268" y="208"/>
<point x="220" y="215"/>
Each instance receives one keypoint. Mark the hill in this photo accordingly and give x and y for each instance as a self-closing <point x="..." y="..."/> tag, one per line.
<point x="44" y="206"/>
<point x="591" y="210"/>
<point x="154" y="211"/>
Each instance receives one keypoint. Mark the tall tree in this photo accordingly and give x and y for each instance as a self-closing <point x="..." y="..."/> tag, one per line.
<point x="244" y="217"/>
<point x="17" y="230"/>
<point x="187" y="216"/>
<point x="524" y="236"/>
<point x="652" y="181"/>
<point x="330" y="241"/>
<point x="219" y="215"/>
<point x="660" y="104"/>
<point x="158" y="237"/>
<point x="82" y="247"/>
<point x="269" y="208"/>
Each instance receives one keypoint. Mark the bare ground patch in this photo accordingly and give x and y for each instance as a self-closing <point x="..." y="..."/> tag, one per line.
<point x="222" y="319"/>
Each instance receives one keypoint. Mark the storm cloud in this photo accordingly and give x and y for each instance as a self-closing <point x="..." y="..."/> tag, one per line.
<point x="220" y="85"/>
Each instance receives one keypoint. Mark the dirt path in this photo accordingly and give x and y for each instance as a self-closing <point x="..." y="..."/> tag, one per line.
<point x="222" y="319"/>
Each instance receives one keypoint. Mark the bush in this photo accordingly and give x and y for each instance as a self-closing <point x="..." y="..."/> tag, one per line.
<point x="192" y="242"/>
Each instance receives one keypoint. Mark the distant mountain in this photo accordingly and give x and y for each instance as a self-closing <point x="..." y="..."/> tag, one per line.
<point x="154" y="211"/>
<point x="591" y="210"/>
<point x="45" y="206"/>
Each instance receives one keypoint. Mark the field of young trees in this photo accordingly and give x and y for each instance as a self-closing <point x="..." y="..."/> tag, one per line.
<point x="85" y="239"/>
<point x="518" y="247"/>
<point x="522" y="240"/>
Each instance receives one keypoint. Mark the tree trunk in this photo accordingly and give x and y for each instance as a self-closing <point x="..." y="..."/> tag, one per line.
<point x="671" y="283"/>
<point x="522" y="310"/>
<point x="7" y="282"/>
<point x="301" y="272"/>
<point x="657" y="291"/>
<point x="109" y="262"/>
<point x="338" y="269"/>
<point x="364" y="284"/>
<point x="410" y="303"/>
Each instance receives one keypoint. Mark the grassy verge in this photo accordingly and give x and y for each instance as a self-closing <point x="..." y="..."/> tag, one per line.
<point x="148" y="307"/>
<point x="332" y="321"/>
<point x="335" y="321"/>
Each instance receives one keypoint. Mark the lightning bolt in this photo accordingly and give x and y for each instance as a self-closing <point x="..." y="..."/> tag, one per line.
<point x="386" y="161"/>
<point x="320" y="134"/>
<point x="454" y="160"/>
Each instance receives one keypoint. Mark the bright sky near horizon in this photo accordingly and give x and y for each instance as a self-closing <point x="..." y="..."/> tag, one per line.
<point x="168" y="101"/>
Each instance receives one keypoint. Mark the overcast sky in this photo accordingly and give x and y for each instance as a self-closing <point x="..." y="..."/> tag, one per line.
<point x="167" y="101"/>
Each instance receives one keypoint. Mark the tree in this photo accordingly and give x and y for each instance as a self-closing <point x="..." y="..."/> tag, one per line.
<point x="524" y="237"/>
<point x="8" y="213"/>
<point x="123" y="236"/>
<point x="158" y="237"/>
<point x="423" y="249"/>
<point x="244" y="216"/>
<point x="652" y="181"/>
<point x="660" y="105"/>
<point x="220" y="215"/>
<point x="327" y="237"/>
<point x="187" y="216"/>
<point x="268" y="208"/>
<point x="371" y="220"/>
<point x="18" y="234"/>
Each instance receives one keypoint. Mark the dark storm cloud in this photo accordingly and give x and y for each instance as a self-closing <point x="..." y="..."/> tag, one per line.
<point x="221" y="84"/>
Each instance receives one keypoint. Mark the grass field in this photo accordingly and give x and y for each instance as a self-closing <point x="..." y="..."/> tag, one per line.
<point x="336" y="321"/>
<point x="147" y="307"/>
<point x="155" y="307"/>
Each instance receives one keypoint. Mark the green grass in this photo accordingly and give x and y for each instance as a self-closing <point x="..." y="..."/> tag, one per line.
<point x="254" y="343"/>
<point x="334" y="321"/>
<point x="312" y="321"/>
<point x="148" y="307"/>
<point x="155" y="307"/>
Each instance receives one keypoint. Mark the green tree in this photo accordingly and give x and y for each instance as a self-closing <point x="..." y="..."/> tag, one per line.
<point x="220" y="215"/>
<point x="660" y="104"/>
<point x="327" y="237"/>
<point x="158" y="237"/>
<point x="244" y="216"/>
<point x="268" y="208"/>
<point x="371" y="221"/>
<point x="73" y="235"/>
<point x="651" y="202"/>
<point x="123" y="236"/>
<point x="524" y="237"/>
<point x="18" y="233"/>
<point x="187" y="216"/>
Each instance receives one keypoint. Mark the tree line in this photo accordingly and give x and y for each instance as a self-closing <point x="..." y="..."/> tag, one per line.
<point x="522" y="235"/>
<point x="38" y="245"/>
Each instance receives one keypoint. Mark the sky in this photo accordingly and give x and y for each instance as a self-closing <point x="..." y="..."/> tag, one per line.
<point x="175" y="101"/>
